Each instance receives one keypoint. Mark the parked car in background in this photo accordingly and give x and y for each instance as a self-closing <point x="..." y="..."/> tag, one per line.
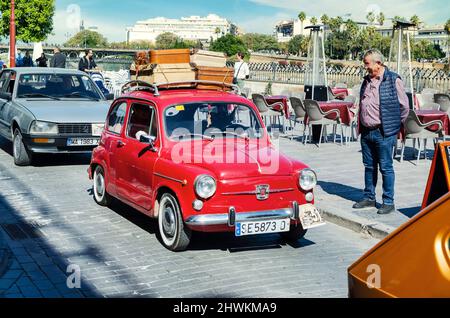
<point x="200" y="160"/>
<point x="50" y="110"/>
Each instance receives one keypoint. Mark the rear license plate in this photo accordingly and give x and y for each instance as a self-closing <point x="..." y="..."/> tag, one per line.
<point x="262" y="227"/>
<point x="83" y="141"/>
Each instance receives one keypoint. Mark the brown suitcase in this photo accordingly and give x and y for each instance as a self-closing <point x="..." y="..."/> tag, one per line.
<point x="174" y="56"/>
<point x="216" y="74"/>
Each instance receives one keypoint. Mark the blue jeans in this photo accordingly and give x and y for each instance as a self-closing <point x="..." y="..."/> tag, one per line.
<point x="377" y="152"/>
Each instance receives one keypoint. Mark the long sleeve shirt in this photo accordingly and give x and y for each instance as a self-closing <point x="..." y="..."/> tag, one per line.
<point x="370" y="102"/>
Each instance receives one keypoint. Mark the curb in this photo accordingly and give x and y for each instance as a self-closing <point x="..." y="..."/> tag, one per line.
<point x="358" y="224"/>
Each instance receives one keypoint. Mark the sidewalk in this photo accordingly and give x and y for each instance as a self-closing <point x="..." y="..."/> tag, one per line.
<point x="341" y="180"/>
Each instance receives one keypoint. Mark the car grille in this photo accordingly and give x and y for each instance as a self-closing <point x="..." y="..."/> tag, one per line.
<point x="75" y="129"/>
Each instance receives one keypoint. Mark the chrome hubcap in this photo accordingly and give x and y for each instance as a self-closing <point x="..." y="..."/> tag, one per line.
<point x="16" y="147"/>
<point x="100" y="185"/>
<point x="168" y="220"/>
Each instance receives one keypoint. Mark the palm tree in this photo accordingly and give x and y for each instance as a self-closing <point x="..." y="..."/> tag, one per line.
<point x="415" y="20"/>
<point x="302" y="17"/>
<point x="313" y="20"/>
<point x="370" y="17"/>
<point x="447" y="29"/>
<point x="325" y="19"/>
<point x="381" y="18"/>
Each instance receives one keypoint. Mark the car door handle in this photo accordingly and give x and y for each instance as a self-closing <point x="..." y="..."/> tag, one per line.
<point x="120" y="144"/>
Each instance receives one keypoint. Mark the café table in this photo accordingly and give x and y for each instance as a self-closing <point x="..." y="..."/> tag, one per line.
<point x="426" y="116"/>
<point x="339" y="92"/>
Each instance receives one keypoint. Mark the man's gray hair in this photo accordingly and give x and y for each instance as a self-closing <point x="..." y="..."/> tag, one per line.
<point x="376" y="55"/>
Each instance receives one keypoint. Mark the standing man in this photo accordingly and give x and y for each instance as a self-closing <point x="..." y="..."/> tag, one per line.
<point x="87" y="62"/>
<point x="27" y="60"/>
<point x="241" y="70"/>
<point x="58" y="60"/>
<point x="384" y="107"/>
<point x="42" y="61"/>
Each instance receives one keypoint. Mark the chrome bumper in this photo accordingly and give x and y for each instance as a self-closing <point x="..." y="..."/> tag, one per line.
<point x="232" y="217"/>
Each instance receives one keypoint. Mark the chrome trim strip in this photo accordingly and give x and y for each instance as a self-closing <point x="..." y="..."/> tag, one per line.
<point x="254" y="192"/>
<point x="169" y="178"/>
<point x="222" y="219"/>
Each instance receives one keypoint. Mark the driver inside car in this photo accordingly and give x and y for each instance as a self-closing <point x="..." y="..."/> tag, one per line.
<point x="220" y="118"/>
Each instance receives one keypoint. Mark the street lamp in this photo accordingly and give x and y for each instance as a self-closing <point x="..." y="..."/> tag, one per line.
<point x="12" y="37"/>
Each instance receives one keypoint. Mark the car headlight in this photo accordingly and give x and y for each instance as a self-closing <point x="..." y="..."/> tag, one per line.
<point x="205" y="186"/>
<point x="42" y="127"/>
<point x="307" y="179"/>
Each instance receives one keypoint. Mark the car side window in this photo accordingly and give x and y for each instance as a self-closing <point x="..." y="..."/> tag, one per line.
<point x="4" y="78"/>
<point x="140" y="121"/>
<point x="116" y="118"/>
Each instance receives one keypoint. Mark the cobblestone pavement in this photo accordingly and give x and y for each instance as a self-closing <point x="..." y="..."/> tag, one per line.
<point x="50" y="220"/>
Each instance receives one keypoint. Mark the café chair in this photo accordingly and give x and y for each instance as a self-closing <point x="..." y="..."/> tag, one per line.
<point x="444" y="101"/>
<point x="266" y="110"/>
<point x="430" y="106"/>
<point x="317" y="117"/>
<point x="298" y="114"/>
<point x="416" y="130"/>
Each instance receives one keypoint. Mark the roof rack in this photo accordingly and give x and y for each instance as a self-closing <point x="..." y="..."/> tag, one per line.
<point x="137" y="85"/>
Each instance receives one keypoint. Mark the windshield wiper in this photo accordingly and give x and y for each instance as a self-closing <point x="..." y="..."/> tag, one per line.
<point x="209" y="138"/>
<point x="77" y="94"/>
<point x="39" y="95"/>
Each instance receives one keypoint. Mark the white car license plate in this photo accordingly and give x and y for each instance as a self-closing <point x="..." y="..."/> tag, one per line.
<point x="262" y="227"/>
<point x="83" y="141"/>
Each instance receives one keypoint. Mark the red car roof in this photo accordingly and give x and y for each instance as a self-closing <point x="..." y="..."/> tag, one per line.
<point x="174" y="96"/>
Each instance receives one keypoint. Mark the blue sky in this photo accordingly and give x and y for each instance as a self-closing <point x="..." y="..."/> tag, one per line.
<point x="112" y="16"/>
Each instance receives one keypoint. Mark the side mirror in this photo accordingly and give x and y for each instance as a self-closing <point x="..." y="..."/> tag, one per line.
<point x="109" y="96"/>
<point x="146" y="139"/>
<point x="7" y="96"/>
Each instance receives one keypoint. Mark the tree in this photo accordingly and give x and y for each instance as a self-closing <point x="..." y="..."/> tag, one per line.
<point x="88" y="39"/>
<point x="415" y="20"/>
<point x="34" y="19"/>
<point x="298" y="45"/>
<point x="313" y="20"/>
<point x="302" y="17"/>
<point x="424" y="49"/>
<point x="325" y="19"/>
<point x="370" y="17"/>
<point x="166" y="40"/>
<point x="230" y="45"/>
<point x="259" y="42"/>
<point x="381" y="18"/>
<point x="447" y="29"/>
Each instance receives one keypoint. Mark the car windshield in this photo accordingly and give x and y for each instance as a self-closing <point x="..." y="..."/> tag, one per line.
<point x="56" y="86"/>
<point x="216" y="120"/>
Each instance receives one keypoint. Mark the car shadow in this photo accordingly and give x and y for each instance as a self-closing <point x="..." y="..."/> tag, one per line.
<point x="410" y="212"/>
<point x="206" y="241"/>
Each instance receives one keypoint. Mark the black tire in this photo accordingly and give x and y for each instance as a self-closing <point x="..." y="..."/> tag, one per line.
<point x="22" y="156"/>
<point x="175" y="236"/>
<point x="295" y="233"/>
<point x="100" y="195"/>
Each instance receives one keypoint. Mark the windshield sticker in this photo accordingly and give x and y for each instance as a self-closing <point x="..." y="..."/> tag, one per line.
<point x="180" y="108"/>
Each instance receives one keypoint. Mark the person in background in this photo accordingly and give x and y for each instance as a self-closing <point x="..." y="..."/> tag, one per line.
<point x="58" y="60"/>
<point x="241" y="70"/>
<point x="27" y="60"/>
<point x="19" y="59"/>
<point x="384" y="106"/>
<point x="42" y="61"/>
<point x="87" y="62"/>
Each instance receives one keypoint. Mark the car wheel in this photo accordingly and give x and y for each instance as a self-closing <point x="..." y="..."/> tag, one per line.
<point x="174" y="235"/>
<point x="295" y="233"/>
<point x="22" y="156"/>
<point x="100" y="195"/>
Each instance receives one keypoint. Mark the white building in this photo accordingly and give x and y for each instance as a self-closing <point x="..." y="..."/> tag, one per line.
<point x="189" y="28"/>
<point x="287" y="29"/>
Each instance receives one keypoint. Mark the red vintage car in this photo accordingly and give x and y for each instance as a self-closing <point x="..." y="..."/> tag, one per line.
<point x="200" y="160"/>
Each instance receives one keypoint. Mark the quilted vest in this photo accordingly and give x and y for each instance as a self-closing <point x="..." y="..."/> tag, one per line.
<point x="389" y="104"/>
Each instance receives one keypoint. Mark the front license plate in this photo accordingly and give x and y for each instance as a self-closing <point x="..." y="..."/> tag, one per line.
<point x="262" y="227"/>
<point x="83" y="141"/>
